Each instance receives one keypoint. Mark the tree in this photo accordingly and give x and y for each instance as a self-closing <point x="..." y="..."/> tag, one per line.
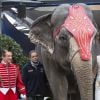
<point x="8" y="43"/>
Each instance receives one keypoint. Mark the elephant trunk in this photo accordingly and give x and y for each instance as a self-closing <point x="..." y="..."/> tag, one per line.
<point x="84" y="76"/>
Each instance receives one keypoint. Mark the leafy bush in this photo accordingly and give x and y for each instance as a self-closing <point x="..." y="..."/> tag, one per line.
<point x="8" y="43"/>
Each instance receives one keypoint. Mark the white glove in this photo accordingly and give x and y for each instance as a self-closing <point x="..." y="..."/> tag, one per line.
<point x="23" y="96"/>
<point x="46" y="98"/>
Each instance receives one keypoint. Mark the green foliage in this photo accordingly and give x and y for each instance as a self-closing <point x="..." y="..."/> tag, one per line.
<point x="8" y="43"/>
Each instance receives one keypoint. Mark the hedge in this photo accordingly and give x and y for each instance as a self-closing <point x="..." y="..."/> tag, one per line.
<point x="8" y="43"/>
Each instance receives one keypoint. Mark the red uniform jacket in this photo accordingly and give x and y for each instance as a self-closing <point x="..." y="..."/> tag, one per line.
<point x="10" y="78"/>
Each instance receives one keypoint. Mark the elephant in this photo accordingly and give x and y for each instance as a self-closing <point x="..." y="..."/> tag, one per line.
<point x="61" y="53"/>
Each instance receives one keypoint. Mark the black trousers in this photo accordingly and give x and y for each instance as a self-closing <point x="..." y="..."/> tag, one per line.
<point x="35" y="98"/>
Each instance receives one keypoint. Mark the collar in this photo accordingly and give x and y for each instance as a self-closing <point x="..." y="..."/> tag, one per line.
<point x="34" y="64"/>
<point x="4" y="63"/>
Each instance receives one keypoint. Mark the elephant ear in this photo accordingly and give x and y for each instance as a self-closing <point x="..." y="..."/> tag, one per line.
<point x="40" y="32"/>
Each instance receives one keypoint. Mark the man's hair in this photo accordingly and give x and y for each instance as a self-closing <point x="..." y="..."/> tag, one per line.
<point x="32" y="51"/>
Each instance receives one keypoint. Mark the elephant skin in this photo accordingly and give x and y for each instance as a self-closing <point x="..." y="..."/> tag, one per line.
<point x="60" y="55"/>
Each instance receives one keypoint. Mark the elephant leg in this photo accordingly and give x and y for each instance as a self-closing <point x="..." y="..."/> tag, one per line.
<point x="57" y="80"/>
<point x="58" y="83"/>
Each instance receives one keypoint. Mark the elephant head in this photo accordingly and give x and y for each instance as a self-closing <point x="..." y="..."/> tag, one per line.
<point x="63" y="47"/>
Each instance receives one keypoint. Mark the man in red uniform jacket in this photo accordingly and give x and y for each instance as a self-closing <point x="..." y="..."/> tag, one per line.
<point x="10" y="79"/>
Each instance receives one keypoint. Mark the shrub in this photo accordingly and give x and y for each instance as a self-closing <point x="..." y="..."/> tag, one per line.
<point x="8" y="43"/>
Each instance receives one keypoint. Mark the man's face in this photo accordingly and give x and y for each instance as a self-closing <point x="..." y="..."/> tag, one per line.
<point x="34" y="57"/>
<point x="7" y="57"/>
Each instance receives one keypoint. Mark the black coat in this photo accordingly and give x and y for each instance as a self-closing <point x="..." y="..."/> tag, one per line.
<point x="34" y="79"/>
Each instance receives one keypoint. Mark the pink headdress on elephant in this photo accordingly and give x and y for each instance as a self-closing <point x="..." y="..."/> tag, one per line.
<point x="81" y="27"/>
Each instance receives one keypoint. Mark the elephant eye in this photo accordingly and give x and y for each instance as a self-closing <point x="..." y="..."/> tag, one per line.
<point x="63" y="37"/>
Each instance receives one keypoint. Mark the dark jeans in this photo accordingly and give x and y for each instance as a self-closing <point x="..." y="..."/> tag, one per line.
<point x="35" y="98"/>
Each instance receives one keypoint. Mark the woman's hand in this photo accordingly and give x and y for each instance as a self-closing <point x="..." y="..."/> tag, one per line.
<point x="24" y="97"/>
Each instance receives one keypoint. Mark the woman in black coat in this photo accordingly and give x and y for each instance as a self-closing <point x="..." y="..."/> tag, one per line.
<point x="34" y="78"/>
